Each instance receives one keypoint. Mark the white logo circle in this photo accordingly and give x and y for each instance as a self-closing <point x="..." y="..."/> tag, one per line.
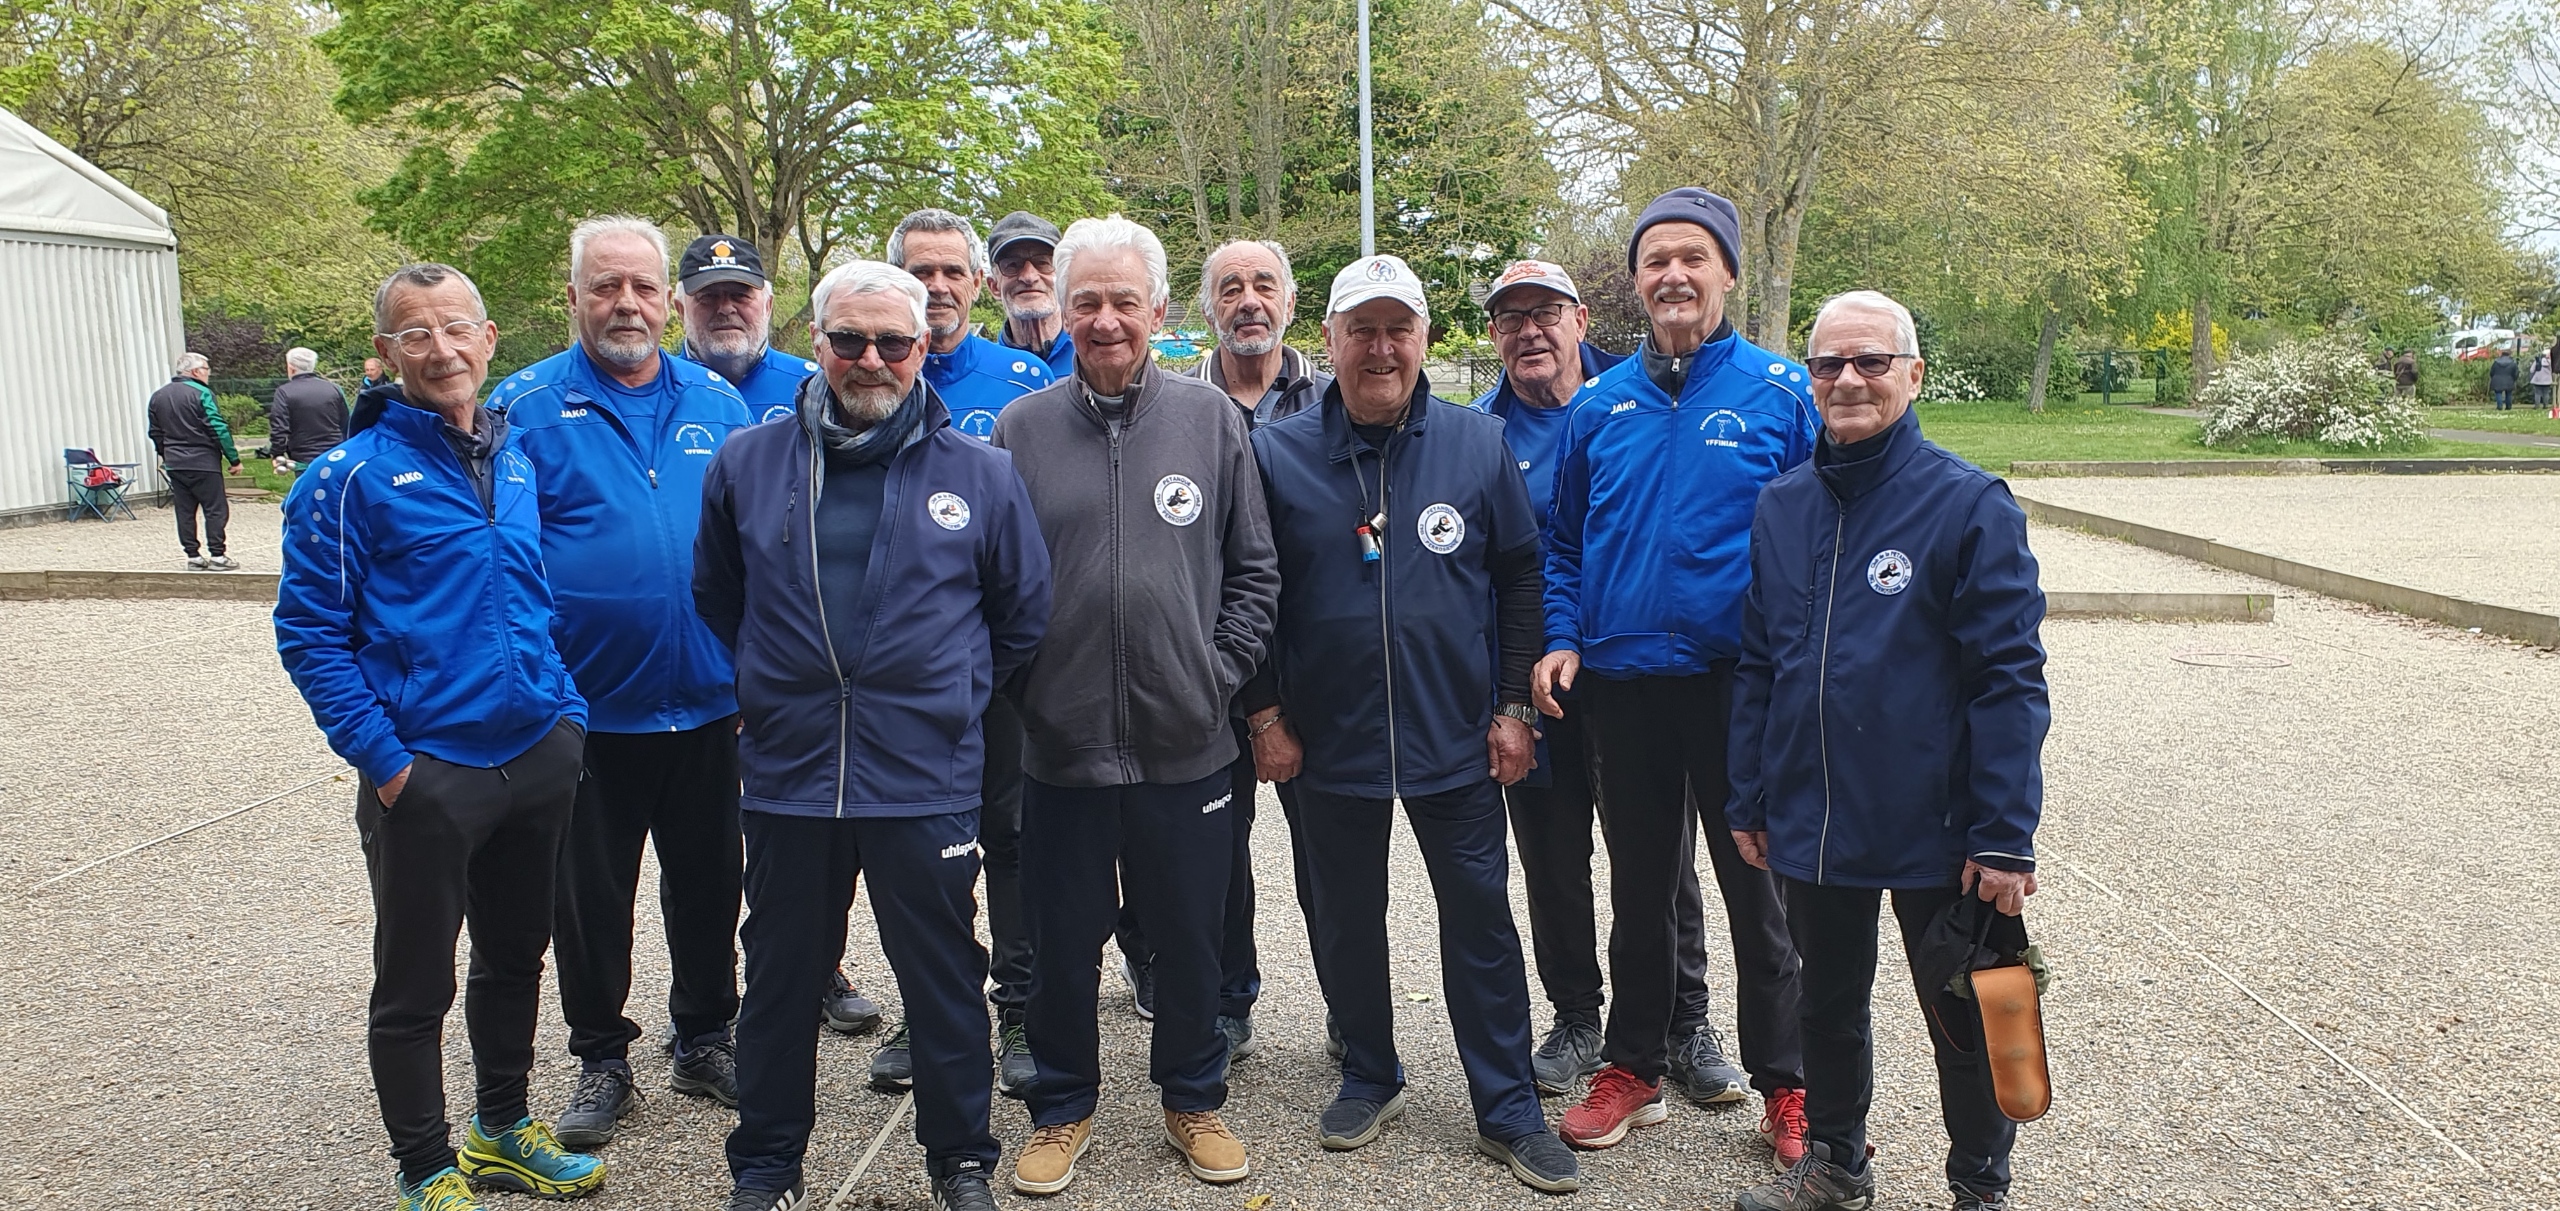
<point x="1440" y="528"/>
<point x="1177" y="500"/>
<point x="947" y="510"/>
<point x="1889" y="572"/>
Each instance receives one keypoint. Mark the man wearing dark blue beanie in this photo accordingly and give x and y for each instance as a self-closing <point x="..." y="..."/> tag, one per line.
<point x="1659" y="468"/>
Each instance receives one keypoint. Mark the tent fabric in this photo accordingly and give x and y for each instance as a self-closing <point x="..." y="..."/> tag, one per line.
<point x="46" y="190"/>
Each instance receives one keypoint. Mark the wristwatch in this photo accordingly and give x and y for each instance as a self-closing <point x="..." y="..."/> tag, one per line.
<point x="1518" y="710"/>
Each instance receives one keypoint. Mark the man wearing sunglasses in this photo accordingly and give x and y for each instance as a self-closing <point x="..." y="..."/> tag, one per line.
<point x="1917" y="561"/>
<point x="1660" y="462"/>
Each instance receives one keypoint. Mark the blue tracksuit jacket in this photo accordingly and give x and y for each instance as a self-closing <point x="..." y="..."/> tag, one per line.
<point x="1387" y="668"/>
<point x="957" y="594"/>
<point x="1538" y="460"/>
<point x="1889" y="707"/>
<point x="411" y="619"/>
<point x="772" y="390"/>
<point x="1059" y="357"/>
<point x="620" y="495"/>
<point x="1647" y="544"/>
<point x="979" y="377"/>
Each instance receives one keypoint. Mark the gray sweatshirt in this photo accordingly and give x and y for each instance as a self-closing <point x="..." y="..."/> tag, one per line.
<point x="1163" y="577"/>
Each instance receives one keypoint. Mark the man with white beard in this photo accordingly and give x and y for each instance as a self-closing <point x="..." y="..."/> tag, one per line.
<point x="975" y="377"/>
<point x="1021" y="246"/>
<point x="727" y="307"/>
<point x="619" y="433"/>
<point x="1251" y="297"/>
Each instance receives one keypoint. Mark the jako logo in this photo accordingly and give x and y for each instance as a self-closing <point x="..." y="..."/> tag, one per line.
<point x="572" y="413"/>
<point x="1215" y="804"/>
<point x="959" y="851"/>
<point x="1628" y="406"/>
<point x="406" y="478"/>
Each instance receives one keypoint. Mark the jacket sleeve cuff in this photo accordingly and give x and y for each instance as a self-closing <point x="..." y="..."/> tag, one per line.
<point x="2019" y="863"/>
<point x="1563" y="645"/>
<point x="383" y="762"/>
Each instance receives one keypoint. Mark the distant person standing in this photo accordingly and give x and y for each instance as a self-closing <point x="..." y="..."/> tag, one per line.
<point x="2404" y="374"/>
<point x="2502" y="381"/>
<point x="2541" y="380"/>
<point x="374" y="375"/>
<point x="307" y="415"/>
<point x="188" y="432"/>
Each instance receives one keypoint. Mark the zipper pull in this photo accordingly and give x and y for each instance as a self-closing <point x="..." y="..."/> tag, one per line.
<point x="653" y="477"/>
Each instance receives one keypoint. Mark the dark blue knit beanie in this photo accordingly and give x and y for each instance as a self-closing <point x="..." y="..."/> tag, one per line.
<point x="1690" y="204"/>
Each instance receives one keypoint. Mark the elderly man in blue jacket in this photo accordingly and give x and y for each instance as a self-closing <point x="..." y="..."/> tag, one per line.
<point x="414" y="618"/>
<point x="1408" y="621"/>
<point x="621" y="432"/>
<point x="1661" y="460"/>
<point x="1922" y="645"/>
<point x="878" y="573"/>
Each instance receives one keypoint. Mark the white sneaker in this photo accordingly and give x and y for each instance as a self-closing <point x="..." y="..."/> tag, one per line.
<point x="197" y="563"/>
<point x="222" y="563"/>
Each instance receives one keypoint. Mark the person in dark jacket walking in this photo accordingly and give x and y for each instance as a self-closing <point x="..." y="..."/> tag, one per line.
<point x="1387" y="689"/>
<point x="1921" y="643"/>
<point x="878" y="574"/>
<point x="1164" y="586"/>
<point x="414" y="617"/>
<point x="2404" y="374"/>
<point x="306" y="415"/>
<point x="2502" y="380"/>
<point x="194" y="444"/>
<point x="1661" y="459"/>
<point x="622" y="433"/>
<point x="1538" y="323"/>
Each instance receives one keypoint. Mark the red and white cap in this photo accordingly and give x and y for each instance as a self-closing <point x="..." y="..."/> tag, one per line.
<point x="1377" y="277"/>
<point x="1533" y="273"/>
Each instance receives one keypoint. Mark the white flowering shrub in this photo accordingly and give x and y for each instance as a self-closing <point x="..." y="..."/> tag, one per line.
<point x="2324" y="390"/>
<point x="1949" y="386"/>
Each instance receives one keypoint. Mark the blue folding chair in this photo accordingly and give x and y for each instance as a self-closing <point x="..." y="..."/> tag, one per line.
<point x="95" y="493"/>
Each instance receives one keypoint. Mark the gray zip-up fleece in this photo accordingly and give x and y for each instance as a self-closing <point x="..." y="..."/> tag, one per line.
<point x="1164" y="579"/>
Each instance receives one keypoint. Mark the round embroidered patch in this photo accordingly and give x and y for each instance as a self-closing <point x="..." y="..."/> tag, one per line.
<point x="1889" y="572"/>
<point x="1177" y="500"/>
<point x="947" y="510"/>
<point x="1440" y="528"/>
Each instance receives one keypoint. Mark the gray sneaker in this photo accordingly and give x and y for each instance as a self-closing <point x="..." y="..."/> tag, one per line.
<point x="893" y="1069"/>
<point x="197" y="563"/>
<point x="1570" y="1053"/>
<point x="1815" y="1184"/>
<point x="1699" y="1068"/>
<point x="1967" y="1200"/>
<point x="1239" y="1032"/>
<point x="1540" y="1161"/>
<point x="222" y="563"/>
<point x="1014" y="1067"/>
<point x="1352" y="1122"/>
<point x="604" y="1098"/>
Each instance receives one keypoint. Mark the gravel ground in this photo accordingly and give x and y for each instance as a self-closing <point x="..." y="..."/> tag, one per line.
<point x="2490" y="538"/>
<point x="147" y="543"/>
<point x="2288" y="824"/>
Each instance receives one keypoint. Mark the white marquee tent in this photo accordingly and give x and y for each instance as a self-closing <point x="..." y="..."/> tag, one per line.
<point x="89" y="319"/>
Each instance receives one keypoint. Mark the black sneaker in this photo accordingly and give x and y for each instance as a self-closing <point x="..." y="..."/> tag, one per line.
<point x="892" y="1069"/>
<point x="706" y="1067"/>
<point x="1569" y="1054"/>
<point x="1967" y="1200"/>
<point x="1815" y="1184"/>
<point x="1540" y="1161"/>
<point x="1239" y="1032"/>
<point x="604" y="1098"/>
<point x="1141" y="979"/>
<point x="964" y="1189"/>
<point x="1014" y="1068"/>
<point x="743" y="1199"/>
<point x="847" y="1010"/>
<point x="1352" y="1122"/>
<point x="1699" y="1068"/>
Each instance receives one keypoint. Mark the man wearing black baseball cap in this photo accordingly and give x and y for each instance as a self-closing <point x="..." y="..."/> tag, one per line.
<point x="727" y="307"/>
<point x="1027" y="285"/>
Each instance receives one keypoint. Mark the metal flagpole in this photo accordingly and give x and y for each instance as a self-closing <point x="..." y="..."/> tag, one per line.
<point x="1368" y="170"/>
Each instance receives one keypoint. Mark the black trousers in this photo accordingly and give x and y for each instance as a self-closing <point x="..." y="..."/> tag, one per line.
<point x="1165" y="849"/>
<point x="1551" y="827"/>
<point x="191" y="492"/>
<point x="1661" y="742"/>
<point x="1239" y="959"/>
<point x="1835" y="931"/>
<point x="679" y="791"/>
<point x="462" y="844"/>
<point x="924" y="880"/>
<point x="1000" y="834"/>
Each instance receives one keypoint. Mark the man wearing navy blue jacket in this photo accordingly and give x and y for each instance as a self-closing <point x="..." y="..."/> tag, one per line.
<point x="414" y="618"/>
<point x="622" y="433"/>
<point x="727" y="307"/>
<point x="878" y="574"/>
<point x="1660" y="461"/>
<point x="1405" y="542"/>
<point x="1922" y="643"/>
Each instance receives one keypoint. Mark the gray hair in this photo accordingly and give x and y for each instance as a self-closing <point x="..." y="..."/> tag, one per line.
<point x="613" y="224"/>
<point x="1209" y="273"/>
<point x="192" y="361"/>
<point x="933" y="218"/>
<point x="1906" y="335"/>
<point x="423" y="274"/>
<point x="868" y="277"/>
<point x="1113" y="232"/>
<point x="300" y="360"/>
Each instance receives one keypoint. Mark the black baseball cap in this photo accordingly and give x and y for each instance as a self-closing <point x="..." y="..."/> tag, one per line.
<point x="1020" y="225"/>
<point x="714" y="259"/>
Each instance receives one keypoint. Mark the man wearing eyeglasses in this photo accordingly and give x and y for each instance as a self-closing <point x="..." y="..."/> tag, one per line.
<point x="1660" y="462"/>
<point x="621" y="432"/>
<point x="878" y="574"/>
<point x="1021" y="245"/>
<point x="1916" y="561"/>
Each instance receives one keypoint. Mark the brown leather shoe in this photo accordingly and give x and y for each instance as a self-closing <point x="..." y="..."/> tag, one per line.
<point x="1213" y="1152"/>
<point x="1048" y="1162"/>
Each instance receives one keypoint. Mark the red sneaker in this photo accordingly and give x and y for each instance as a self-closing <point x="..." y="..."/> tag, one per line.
<point x="1782" y="1124"/>
<point x="1619" y="1100"/>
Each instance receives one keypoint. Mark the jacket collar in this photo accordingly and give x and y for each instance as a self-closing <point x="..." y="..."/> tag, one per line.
<point x="1502" y="399"/>
<point x="413" y="425"/>
<point x="1338" y="437"/>
<point x="1850" y="480"/>
<point x="1142" y="392"/>
<point x="1704" y="361"/>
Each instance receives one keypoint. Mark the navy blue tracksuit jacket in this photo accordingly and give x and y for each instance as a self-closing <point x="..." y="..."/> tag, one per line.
<point x="1889" y="705"/>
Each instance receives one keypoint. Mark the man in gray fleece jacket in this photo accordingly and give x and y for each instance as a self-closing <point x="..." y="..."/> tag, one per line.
<point x="1165" y="584"/>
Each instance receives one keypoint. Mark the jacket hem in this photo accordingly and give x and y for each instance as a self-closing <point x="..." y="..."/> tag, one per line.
<point x="1886" y="882"/>
<point x="858" y="811"/>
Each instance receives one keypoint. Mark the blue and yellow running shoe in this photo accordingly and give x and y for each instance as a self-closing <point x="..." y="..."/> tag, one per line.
<point x="444" y="1190"/>
<point x="528" y="1159"/>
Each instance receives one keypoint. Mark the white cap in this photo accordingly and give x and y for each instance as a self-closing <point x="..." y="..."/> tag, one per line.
<point x="1377" y="277"/>
<point x="1533" y="273"/>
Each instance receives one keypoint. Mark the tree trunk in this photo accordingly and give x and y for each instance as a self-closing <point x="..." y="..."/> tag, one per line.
<point x="2200" y="348"/>
<point x="2044" y="359"/>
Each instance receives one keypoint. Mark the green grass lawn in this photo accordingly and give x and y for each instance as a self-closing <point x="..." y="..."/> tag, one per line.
<point x="1996" y="433"/>
<point x="2523" y="418"/>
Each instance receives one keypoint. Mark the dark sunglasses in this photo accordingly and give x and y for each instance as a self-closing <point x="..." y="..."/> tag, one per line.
<point x="893" y="347"/>
<point x="1870" y="365"/>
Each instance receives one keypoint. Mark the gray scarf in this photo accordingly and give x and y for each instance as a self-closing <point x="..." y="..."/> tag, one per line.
<point x="844" y="446"/>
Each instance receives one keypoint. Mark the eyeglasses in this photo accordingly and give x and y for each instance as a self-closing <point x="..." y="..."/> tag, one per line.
<point x="1870" y="365"/>
<point x="417" y="342"/>
<point x="1545" y="315"/>
<point x="893" y="347"/>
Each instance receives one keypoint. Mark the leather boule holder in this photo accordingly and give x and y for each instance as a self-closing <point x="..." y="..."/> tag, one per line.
<point x="1978" y="961"/>
<point x="2013" y="1037"/>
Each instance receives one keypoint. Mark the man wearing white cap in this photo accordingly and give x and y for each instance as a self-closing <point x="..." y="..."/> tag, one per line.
<point x="1406" y="542"/>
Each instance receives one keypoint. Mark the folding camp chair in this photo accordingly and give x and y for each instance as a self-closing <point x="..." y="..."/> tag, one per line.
<point x="96" y="487"/>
